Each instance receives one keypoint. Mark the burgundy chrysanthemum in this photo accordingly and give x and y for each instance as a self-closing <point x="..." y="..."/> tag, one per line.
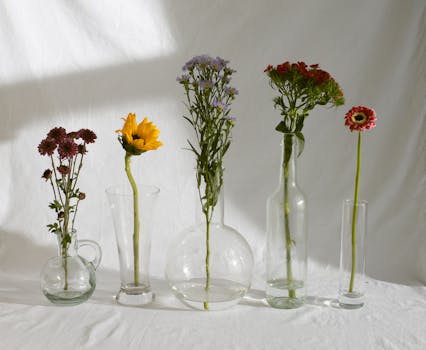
<point x="64" y="170"/>
<point x="360" y="118"/>
<point x="47" y="146"/>
<point x="58" y="134"/>
<point x="67" y="148"/>
<point x="87" y="135"/>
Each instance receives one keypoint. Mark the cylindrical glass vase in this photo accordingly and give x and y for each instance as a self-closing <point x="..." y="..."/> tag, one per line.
<point x="209" y="266"/>
<point x="352" y="254"/>
<point x="286" y="253"/>
<point x="133" y="251"/>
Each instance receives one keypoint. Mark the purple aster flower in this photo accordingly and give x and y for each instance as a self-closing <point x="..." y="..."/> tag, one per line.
<point x="205" y="84"/>
<point x="231" y="91"/>
<point x="220" y="105"/>
<point x="230" y="117"/>
<point x="183" y="79"/>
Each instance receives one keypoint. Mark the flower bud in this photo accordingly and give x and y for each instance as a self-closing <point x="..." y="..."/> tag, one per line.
<point x="47" y="174"/>
<point x="81" y="196"/>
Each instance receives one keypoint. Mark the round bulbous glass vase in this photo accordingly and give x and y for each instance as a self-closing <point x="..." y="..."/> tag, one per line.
<point x="218" y="281"/>
<point x="286" y="253"/>
<point x="134" y="254"/>
<point x="69" y="279"/>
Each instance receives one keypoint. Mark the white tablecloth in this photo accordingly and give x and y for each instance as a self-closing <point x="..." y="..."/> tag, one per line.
<point x="393" y="317"/>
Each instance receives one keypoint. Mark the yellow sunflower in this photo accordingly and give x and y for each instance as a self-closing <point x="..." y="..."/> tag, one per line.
<point x="137" y="139"/>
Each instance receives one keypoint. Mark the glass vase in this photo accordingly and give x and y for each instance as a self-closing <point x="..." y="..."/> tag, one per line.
<point x="286" y="252"/>
<point x="352" y="254"/>
<point x="69" y="279"/>
<point x="133" y="253"/>
<point x="209" y="266"/>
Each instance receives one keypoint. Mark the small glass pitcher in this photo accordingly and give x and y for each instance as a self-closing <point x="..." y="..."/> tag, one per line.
<point x="69" y="279"/>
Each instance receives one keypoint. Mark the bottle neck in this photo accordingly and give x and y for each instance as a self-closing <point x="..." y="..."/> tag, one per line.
<point x="70" y="249"/>
<point x="289" y="151"/>
<point x="217" y="213"/>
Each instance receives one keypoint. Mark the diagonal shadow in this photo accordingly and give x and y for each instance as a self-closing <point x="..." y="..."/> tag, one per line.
<point x="30" y="100"/>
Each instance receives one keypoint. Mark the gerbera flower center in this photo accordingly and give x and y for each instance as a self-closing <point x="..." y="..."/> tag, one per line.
<point x="359" y="118"/>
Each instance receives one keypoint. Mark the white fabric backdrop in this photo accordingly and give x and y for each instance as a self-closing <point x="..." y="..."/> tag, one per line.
<point x="87" y="64"/>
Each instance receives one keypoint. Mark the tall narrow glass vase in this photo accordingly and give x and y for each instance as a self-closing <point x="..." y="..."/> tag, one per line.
<point x="133" y="253"/>
<point x="352" y="254"/>
<point x="209" y="266"/>
<point x="286" y="261"/>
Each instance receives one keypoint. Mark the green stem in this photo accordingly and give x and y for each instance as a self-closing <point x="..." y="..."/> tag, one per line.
<point x="288" y="243"/>
<point x="354" y="216"/>
<point x="135" y="219"/>
<point x="206" y="304"/>
<point x="65" y="230"/>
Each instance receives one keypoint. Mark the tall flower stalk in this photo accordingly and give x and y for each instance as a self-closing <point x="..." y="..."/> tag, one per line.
<point x="137" y="139"/>
<point x="208" y="98"/>
<point x="66" y="152"/>
<point x="359" y="119"/>
<point x="301" y="88"/>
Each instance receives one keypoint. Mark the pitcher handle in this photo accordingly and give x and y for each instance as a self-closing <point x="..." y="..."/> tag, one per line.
<point x="96" y="247"/>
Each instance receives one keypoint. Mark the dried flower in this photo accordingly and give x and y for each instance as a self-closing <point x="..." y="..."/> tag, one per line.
<point x="67" y="148"/>
<point x="360" y="118"/>
<point x="47" y="146"/>
<point x="81" y="196"/>
<point x="47" y="174"/>
<point x="137" y="139"/>
<point x="61" y="215"/>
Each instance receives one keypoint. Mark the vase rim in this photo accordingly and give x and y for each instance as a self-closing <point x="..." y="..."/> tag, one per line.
<point x="126" y="190"/>
<point x="351" y="201"/>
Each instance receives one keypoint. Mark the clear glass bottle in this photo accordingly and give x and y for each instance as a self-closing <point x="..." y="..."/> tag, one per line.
<point x="352" y="254"/>
<point x="69" y="279"/>
<point x="209" y="267"/>
<point x="286" y="254"/>
<point x="134" y="258"/>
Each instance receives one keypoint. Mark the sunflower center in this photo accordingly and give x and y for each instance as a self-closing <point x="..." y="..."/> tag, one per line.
<point x="136" y="137"/>
<point x="359" y="118"/>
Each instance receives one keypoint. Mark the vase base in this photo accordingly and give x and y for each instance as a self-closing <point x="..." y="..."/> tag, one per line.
<point x="351" y="300"/>
<point x="278" y="294"/>
<point x="222" y="294"/>
<point x="68" y="298"/>
<point x="135" y="296"/>
<point x="285" y="303"/>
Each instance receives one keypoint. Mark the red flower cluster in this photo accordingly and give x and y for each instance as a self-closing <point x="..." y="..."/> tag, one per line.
<point x="59" y="139"/>
<point x="308" y="72"/>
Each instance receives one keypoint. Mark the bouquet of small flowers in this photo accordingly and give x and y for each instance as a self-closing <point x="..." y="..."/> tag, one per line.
<point x="208" y="99"/>
<point x="301" y="88"/>
<point x="66" y="152"/>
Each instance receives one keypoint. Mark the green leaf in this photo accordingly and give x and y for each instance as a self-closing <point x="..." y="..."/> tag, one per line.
<point x="282" y="127"/>
<point x="301" y="142"/>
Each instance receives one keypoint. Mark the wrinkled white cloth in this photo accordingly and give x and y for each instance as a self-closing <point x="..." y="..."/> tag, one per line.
<point x="86" y="64"/>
